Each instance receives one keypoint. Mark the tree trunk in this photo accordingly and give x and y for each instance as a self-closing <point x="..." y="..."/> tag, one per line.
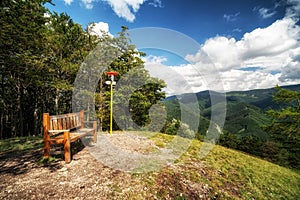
<point x="36" y="121"/>
<point x="2" y="103"/>
<point x="56" y="102"/>
<point x="1" y="124"/>
<point x="21" y="117"/>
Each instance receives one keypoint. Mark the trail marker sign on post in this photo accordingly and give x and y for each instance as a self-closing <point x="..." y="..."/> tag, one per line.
<point x="111" y="83"/>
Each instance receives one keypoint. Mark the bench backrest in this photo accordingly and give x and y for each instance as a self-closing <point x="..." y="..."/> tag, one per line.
<point x="63" y="122"/>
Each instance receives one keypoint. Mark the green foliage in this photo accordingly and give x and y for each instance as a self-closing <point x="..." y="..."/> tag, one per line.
<point x="229" y="140"/>
<point x="246" y="143"/>
<point x="67" y="44"/>
<point x="285" y="127"/>
<point x="22" y="57"/>
<point x="39" y="59"/>
<point x="136" y="91"/>
<point x="172" y="128"/>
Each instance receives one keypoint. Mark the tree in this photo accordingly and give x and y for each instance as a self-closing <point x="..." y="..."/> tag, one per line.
<point x="40" y="55"/>
<point x="68" y="45"/>
<point x="285" y="126"/>
<point x="22" y="50"/>
<point x="131" y="73"/>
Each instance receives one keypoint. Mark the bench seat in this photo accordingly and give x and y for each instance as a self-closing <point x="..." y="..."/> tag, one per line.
<point x="65" y="129"/>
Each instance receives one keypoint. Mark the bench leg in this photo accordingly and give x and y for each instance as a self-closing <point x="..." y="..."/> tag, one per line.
<point x="95" y="131"/>
<point x="46" y="146"/>
<point x="46" y="149"/>
<point x="67" y="147"/>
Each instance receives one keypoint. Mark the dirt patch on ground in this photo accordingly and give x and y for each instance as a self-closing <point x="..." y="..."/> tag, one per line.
<point x="23" y="176"/>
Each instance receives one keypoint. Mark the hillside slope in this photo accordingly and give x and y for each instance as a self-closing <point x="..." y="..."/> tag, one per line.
<point x="222" y="174"/>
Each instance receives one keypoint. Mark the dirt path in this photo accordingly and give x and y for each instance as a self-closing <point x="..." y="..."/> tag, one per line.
<point x="22" y="176"/>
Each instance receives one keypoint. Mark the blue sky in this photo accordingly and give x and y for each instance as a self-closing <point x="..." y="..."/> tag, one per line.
<point x="250" y="43"/>
<point x="198" y="19"/>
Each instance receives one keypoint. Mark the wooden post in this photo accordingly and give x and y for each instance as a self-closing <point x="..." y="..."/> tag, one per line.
<point x="67" y="147"/>
<point x="81" y="117"/>
<point x="46" y="126"/>
<point x="95" y="131"/>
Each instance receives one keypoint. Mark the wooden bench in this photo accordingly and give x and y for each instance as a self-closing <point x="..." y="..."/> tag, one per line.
<point x="65" y="129"/>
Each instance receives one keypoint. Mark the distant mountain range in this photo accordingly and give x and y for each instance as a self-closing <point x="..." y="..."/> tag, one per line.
<point x="246" y="111"/>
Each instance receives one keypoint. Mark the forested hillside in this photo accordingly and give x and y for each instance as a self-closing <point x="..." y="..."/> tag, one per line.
<point x="248" y="123"/>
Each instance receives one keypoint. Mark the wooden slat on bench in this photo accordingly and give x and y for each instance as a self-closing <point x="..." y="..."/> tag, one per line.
<point x="75" y="135"/>
<point x="64" y="122"/>
<point x="64" y="129"/>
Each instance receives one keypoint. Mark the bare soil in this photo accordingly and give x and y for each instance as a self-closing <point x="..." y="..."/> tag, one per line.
<point x="24" y="176"/>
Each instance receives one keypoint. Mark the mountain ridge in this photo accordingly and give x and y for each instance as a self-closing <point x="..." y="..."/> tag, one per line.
<point x="246" y="111"/>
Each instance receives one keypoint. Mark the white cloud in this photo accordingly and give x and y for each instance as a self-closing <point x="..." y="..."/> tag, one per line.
<point x="237" y="30"/>
<point x="156" y="3"/>
<point x="221" y="63"/>
<point x="246" y="80"/>
<point x="294" y="9"/>
<point x="88" y="3"/>
<point x="231" y="17"/>
<point x="154" y="59"/>
<point x="126" y="8"/>
<point x="223" y="52"/>
<point x="266" y="13"/>
<point x="178" y="79"/>
<point x="68" y="2"/>
<point x="123" y="8"/>
<point x="261" y="46"/>
<point x="279" y="37"/>
<point x="291" y="71"/>
<point x="99" y="28"/>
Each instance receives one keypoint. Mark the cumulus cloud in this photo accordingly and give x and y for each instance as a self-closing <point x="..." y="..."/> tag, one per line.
<point x="126" y="8"/>
<point x="260" y="45"/>
<point x="279" y="37"/>
<point x="99" y="28"/>
<point x="246" y="80"/>
<point x="291" y="71"/>
<point x="226" y="64"/>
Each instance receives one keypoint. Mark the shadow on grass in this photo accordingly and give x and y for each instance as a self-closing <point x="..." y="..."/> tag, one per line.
<point x="17" y="162"/>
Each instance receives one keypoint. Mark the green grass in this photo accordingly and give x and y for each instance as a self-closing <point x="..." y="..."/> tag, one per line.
<point x="248" y="177"/>
<point x="223" y="174"/>
<point x="20" y="144"/>
<point x="232" y="174"/>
